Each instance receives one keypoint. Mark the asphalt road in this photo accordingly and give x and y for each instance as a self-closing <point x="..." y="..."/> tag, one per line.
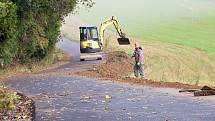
<point x="63" y="97"/>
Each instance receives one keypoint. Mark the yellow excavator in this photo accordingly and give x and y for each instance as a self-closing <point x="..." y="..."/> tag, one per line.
<point x="91" y="42"/>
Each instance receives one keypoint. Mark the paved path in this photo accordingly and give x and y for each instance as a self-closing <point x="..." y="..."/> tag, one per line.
<point x="62" y="97"/>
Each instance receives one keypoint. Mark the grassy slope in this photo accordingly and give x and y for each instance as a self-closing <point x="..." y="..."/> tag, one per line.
<point x="166" y="61"/>
<point x="182" y="51"/>
<point x="185" y="22"/>
<point x="196" y="34"/>
<point x="177" y="63"/>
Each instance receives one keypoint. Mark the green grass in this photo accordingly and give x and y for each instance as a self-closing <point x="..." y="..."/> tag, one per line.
<point x="190" y="23"/>
<point x="199" y="34"/>
<point x="178" y="36"/>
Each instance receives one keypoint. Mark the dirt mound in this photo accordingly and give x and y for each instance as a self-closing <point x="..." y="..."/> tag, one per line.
<point x="119" y="66"/>
<point x="117" y="56"/>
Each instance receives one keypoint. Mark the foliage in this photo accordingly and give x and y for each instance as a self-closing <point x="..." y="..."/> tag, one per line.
<point x="39" y="24"/>
<point x="29" y="30"/>
<point x="7" y="101"/>
<point x="8" y="47"/>
<point x="38" y="27"/>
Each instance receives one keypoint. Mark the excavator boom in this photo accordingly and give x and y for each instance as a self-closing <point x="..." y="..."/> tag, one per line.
<point x="122" y="40"/>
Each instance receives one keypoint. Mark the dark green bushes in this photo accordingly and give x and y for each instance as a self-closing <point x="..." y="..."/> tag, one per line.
<point x="39" y="23"/>
<point x="29" y="29"/>
<point x="8" y="32"/>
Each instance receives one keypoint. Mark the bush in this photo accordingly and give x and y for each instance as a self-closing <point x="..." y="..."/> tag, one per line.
<point x="8" y="32"/>
<point x="7" y="101"/>
<point x="29" y="29"/>
<point x="39" y="23"/>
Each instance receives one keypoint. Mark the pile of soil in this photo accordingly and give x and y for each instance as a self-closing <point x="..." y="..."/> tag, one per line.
<point x="24" y="109"/>
<point x="117" y="56"/>
<point x="119" y="66"/>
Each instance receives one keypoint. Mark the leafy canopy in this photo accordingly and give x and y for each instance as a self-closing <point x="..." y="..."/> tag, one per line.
<point x="29" y="29"/>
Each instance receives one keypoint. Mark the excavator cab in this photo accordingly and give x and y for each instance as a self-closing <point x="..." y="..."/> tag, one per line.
<point x="89" y="43"/>
<point x="89" y="40"/>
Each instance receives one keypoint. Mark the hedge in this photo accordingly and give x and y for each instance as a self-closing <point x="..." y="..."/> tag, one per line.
<point x="8" y="32"/>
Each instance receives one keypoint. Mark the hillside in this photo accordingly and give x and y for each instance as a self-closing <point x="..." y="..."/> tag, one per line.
<point x="164" y="61"/>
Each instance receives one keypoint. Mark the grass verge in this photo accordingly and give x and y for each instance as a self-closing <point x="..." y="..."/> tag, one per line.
<point x="45" y="63"/>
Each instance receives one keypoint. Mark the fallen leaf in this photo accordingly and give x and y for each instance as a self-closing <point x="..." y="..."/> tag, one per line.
<point x="108" y="97"/>
<point x="25" y="117"/>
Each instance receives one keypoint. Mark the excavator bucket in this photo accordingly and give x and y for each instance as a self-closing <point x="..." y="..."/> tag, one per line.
<point x="123" y="41"/>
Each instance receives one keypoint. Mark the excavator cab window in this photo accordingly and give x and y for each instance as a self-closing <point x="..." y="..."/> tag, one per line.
<point x="88" y="33"/>
<point x="83" y="34"/>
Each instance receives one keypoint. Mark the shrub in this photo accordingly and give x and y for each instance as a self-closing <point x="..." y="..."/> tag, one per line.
<point x="29" y="29"/>
<point x="7" y="101"/>
<point x="8" y="32"/>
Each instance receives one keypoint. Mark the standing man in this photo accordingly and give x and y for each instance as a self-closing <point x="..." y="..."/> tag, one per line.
<point x="139" y="61"/>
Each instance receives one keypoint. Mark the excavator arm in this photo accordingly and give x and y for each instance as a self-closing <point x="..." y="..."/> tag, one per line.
<point x="115" y="22"/>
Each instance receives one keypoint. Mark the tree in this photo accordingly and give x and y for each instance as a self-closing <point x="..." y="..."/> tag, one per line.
<point x="8" y="34"/>
<point x="38" y="27"/>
